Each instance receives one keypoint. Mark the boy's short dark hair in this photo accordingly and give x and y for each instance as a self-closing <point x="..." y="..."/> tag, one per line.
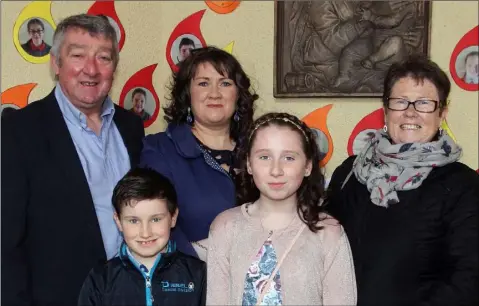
<point x="140" y="184"/>
<point x="140" y="91"/>
<point x="185" y="41"/>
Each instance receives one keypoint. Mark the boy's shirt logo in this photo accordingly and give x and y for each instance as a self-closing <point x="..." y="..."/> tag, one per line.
<point x="167" y="286"/>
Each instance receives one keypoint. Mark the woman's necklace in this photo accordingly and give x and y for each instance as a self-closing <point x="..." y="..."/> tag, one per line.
<point x="270" y="232"/>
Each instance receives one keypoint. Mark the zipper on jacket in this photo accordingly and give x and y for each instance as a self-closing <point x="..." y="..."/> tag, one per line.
<point x="149" y="294"/>
<point x="147" y="275"/>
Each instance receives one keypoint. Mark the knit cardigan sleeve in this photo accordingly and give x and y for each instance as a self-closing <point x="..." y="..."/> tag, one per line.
<point x="218" y="276"/>
<point x="339" y="280"/>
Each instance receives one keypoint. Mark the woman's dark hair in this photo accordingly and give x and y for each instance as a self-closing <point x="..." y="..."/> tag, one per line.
<point x="34" y="21"/>
<point x="311" y="189"/>
<point x="140" y="184"/>
<point x="419" y="68"/>
<point x="225" y="64"/>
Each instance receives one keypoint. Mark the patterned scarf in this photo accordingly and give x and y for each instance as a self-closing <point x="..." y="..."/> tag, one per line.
<point x="386" y="168"/>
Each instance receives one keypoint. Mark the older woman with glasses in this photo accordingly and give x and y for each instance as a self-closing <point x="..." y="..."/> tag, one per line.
<point x="409" y="208"/>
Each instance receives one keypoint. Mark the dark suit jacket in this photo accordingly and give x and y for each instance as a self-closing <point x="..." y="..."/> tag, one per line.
<point x="50" y="233"/>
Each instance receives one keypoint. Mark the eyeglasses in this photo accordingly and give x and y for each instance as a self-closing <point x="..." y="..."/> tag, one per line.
<point x="422" y="106"/>
<point x="36" y="32"/>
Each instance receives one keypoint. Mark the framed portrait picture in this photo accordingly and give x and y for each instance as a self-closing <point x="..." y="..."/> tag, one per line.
<point x="344" y="48"/>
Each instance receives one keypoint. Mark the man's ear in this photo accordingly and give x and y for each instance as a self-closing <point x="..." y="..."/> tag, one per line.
<point x="54" y="64"/>
<point x="117" y="221"/>
<point x="174" y="218"/>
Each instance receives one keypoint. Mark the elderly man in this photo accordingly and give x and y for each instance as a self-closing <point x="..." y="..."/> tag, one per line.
<point x="61" y="158"/>
<point x="36" y="46"/>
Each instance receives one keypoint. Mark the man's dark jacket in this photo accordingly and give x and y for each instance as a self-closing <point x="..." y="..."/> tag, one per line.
<point x="50" y="232"/>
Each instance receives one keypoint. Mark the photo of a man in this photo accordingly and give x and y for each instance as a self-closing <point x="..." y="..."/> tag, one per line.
<point x="36" y="46"/>
<point x="186" y="45"/>
<point x="138" y="99"/>
<point x="183" y="46"/>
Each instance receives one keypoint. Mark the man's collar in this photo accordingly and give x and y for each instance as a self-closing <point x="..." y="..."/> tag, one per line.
<point x="74" y="115"/>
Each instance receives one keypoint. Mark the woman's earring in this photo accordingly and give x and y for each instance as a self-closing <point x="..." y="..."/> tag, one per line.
<point x="385" y="128"/>
<point x="236" y="117"/>
<point x="189" y="119"/>
<point x="441" y="132"/>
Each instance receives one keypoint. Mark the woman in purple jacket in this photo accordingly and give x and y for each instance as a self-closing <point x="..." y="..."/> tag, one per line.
<point x="210" y="113"/>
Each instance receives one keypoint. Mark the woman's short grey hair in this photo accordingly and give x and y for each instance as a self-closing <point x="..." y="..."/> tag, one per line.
<point x="94" y="25"/>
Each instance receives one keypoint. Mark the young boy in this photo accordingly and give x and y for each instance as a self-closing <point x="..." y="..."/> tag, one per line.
<point x="148" y="269"/>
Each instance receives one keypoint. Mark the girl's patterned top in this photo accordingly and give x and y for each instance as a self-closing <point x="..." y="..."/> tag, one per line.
<point x="318" y="270"/>
<point x="259" y="273"/>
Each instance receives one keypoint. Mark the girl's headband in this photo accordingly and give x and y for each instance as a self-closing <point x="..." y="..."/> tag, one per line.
<point x="258" y="125"/>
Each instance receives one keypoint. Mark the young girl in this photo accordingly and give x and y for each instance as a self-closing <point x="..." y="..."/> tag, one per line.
<point x="279" y="248"/>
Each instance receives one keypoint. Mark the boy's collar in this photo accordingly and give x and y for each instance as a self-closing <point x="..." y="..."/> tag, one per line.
<point x="128" y="258"/>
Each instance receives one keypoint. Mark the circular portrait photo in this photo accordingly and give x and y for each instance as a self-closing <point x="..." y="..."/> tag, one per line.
<point x="467" y="65"/>
<point x="322" y="142"/>
<point x="141" y="102"/>
<point x="36" y="36"/>
<point x="182" y="47"/>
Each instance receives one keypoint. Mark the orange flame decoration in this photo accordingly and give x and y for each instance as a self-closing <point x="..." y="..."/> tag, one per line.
<point x="187" y="28"/>
<point x="17" y="96"/>
<point x="222" y="7"/>
<point x="144" y="79"/>
<point x="316" y="120"/>
<point x="107" y="8"/>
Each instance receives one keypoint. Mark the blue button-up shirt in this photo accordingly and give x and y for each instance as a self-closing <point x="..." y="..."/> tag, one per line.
<point x="104" y="159"/>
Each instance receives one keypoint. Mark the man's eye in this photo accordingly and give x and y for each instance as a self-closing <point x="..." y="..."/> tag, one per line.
<point x="133" y="221"/>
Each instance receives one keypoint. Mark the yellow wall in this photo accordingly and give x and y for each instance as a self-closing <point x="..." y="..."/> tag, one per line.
<point x="148" y="25"/>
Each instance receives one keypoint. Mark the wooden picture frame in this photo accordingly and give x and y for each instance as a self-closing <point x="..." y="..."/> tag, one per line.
<point x="344" y="48"/>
